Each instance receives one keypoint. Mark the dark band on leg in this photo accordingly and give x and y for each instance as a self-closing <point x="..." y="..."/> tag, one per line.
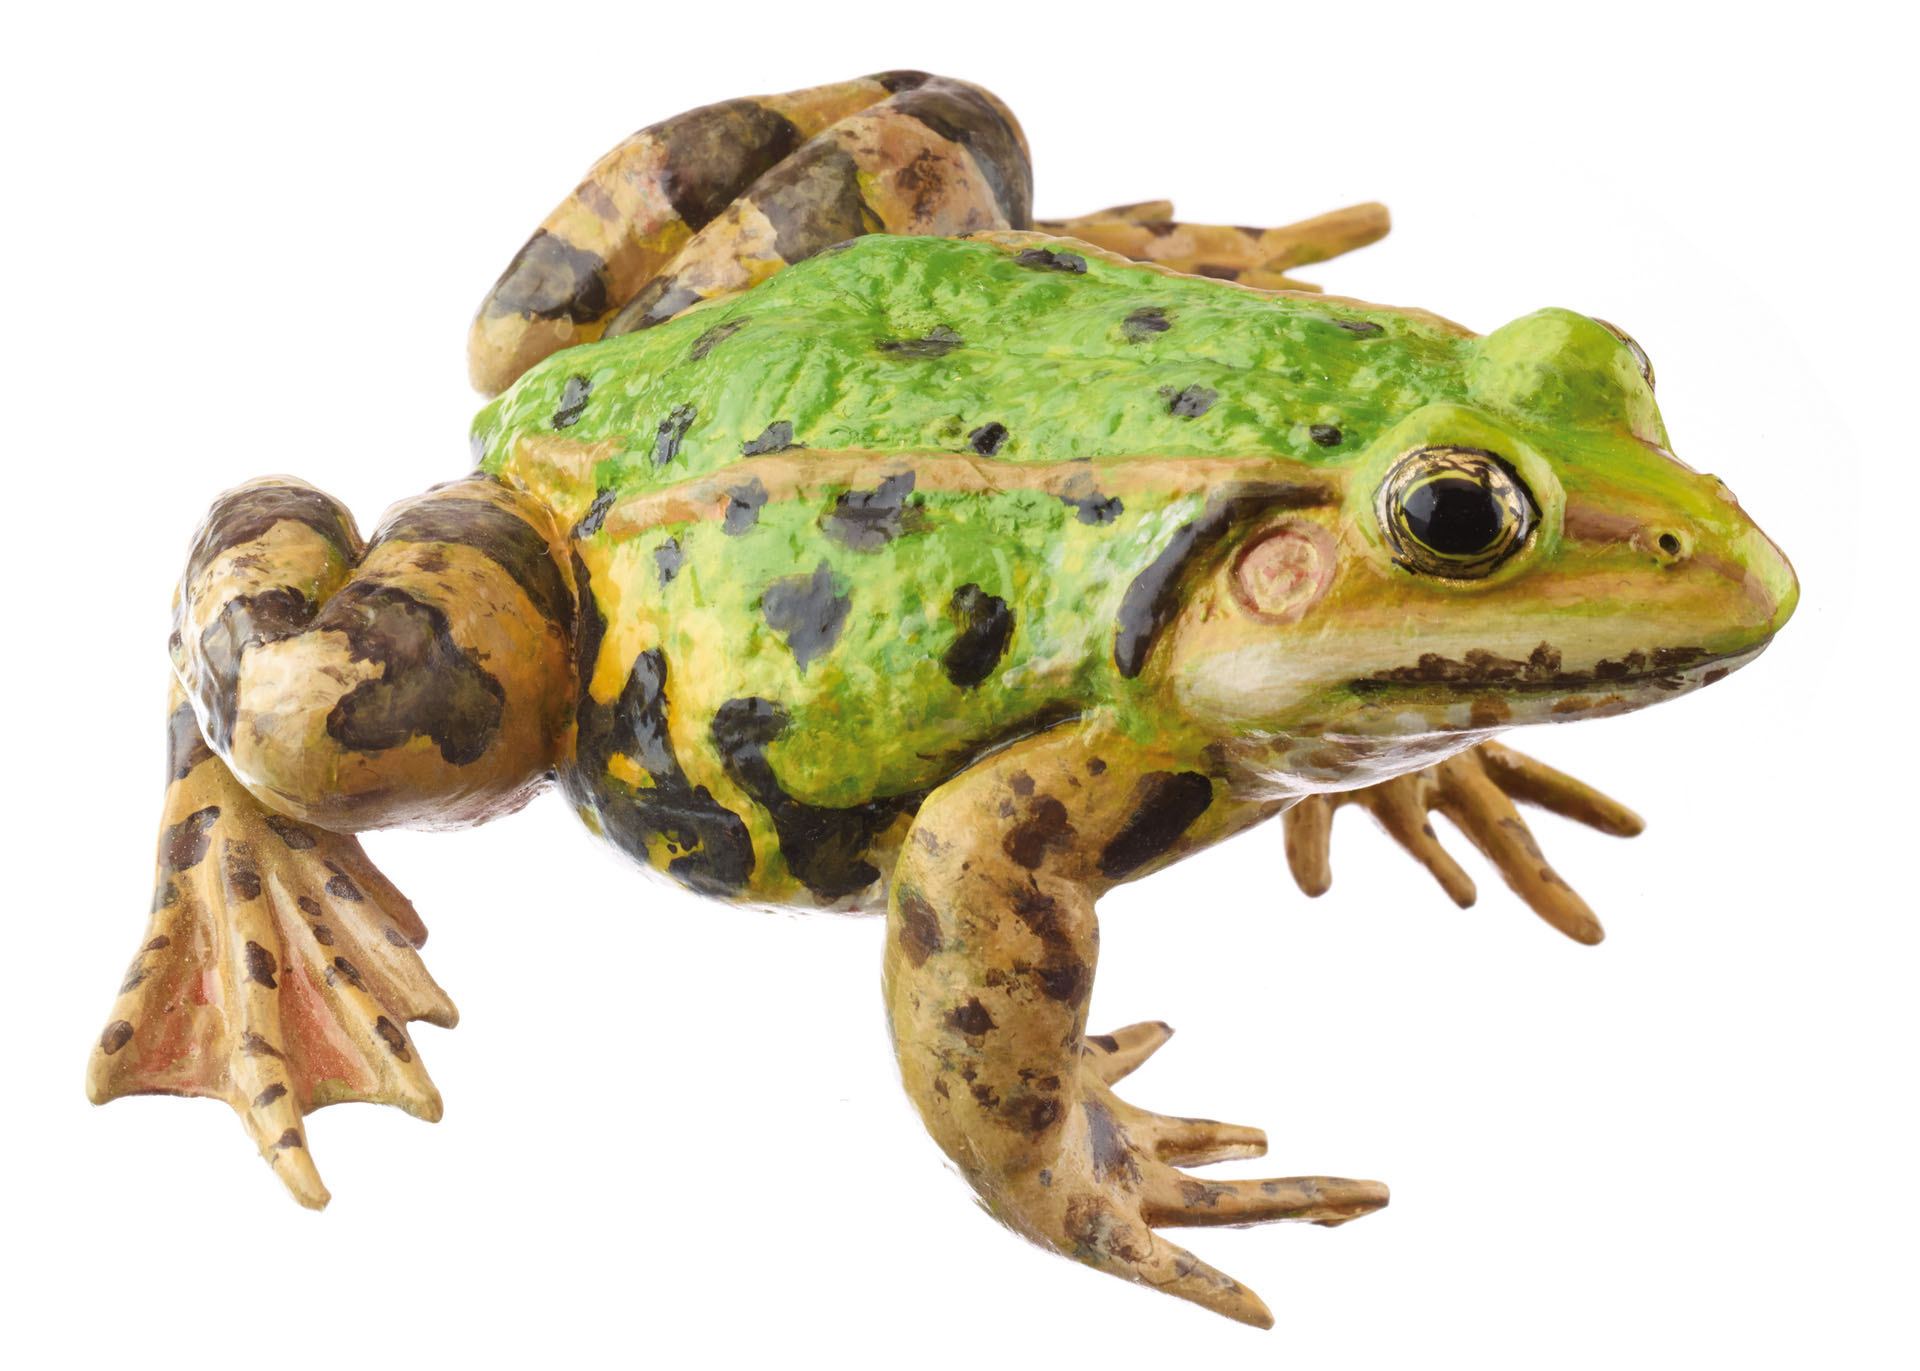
<point x="500" y="535"/>
<point x="243" y="515"/>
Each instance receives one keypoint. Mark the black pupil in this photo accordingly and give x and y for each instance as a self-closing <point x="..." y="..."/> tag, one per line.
<point x="1453" y="515"/>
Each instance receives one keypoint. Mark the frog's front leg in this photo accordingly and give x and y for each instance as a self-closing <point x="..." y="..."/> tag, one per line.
<point x="989" y="966"/>
<point x="1475" y="789"/>
<point x="425" y="681"/>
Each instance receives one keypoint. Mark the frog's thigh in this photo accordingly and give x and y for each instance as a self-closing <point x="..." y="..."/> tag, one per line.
<point x="942" y="157"/>
<point x="429" y="686"/>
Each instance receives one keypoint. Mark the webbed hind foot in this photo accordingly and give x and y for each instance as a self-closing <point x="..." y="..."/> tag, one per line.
<point x="278" y="971"/>
<point x="1476" y="790"/>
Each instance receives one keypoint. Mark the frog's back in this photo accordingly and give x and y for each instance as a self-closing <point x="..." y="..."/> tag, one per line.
<point x="848" y="531"/>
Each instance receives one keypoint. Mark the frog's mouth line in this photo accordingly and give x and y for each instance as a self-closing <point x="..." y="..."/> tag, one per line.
<point x="1540" y="672"/>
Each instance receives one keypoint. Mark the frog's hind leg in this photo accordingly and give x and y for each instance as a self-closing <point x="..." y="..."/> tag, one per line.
<point x="1148" y="232"/>
<point x="321" y="690"/>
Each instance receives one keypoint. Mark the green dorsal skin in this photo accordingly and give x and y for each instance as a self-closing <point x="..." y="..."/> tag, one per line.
<point x="909" y="344"/>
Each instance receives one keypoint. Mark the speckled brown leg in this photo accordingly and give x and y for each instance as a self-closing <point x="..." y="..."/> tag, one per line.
<point x="1476" y="790"/>
<point x="989" y="965"/>
<point x="319" y="690"/>
<point x="1252" y="256"/>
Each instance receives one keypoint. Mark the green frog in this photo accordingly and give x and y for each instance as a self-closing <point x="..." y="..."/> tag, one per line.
<point x="839" y="538"/>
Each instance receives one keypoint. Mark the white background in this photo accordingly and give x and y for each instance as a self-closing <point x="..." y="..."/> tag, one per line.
<point x="250" y="241"/>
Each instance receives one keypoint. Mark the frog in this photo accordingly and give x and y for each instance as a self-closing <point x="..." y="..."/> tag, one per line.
<point x="839" y="537"/>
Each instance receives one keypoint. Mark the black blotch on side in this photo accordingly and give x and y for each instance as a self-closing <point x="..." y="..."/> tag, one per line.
<point x="986" y="627"/>
<point x="776" y="437"/>
<point x="938" y="342"/>
<point x="1363" y="328"/>
<point x="500" y="535"/>
<point x="808" y="611"/>
<point x="596" y="514"/>
<point x="667" y="559"/>
<point x="712" y="851"/>
<point x="713" y="338"/>
<point x="1084" y="498"/>
<point x="960" y="114"/>
<point x="1190" y="402"/>
<point x="867" y="520"/>
<point x="824" y="848"/>
<point x="1153" y="596"/>
<point x="245" y="621"/>
<point x="1046" y="259"/>
<point x="573" y="401"/>
<point x="184" y="845"/>
<point x="1165" y="805"/>
<point x="550" y="278"/>
<point x="428" y="687"/>
<point x="744" y="503"/>
<point x="988" y="439"/>
<point x="673" y="428"/>
<point x="1145" y="322"/>
<point x="1326" y="435"/>
<point x="186" y="749"/>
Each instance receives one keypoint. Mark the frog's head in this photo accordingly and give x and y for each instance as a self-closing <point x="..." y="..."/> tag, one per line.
<point x="1529" y="555"/>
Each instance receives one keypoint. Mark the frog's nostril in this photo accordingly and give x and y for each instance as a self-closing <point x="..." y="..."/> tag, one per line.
<point x="1670" y="544"/>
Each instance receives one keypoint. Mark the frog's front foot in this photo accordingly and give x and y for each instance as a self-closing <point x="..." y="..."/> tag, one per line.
<point x="1476" y="790"/>
<point x="1114" y="1178"/>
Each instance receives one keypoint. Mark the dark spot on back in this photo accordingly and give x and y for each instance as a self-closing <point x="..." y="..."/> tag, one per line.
<point x="714" y="337"/>
<point x="807" y="611"/>
<point x="1165" y="805"/>
<point x="985" y="627"/>
<point x="1326" y="435"/>
<point x="573" y="401"/>
<point x="743" y="507"/>
<point x="428" y="686"/>
<point x="776" y="437"/>
<point x="1145" y="322"/>
<point x="1364" y="328"/>
<point x="1189" y="403"/>
<point x="988" y="439"/>
<point x="937" y="343"/>
<point x="1083" y="497"/>
<point x="867" y="520"/>
<point x="666" y="443"/>
<point x="1046" y="259"/>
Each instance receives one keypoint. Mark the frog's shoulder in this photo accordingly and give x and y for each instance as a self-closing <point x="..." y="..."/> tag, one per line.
<point x="1019" y="347"/>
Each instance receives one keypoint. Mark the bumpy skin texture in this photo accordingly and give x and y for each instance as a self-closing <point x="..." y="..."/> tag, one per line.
<point x="960" y="578"/>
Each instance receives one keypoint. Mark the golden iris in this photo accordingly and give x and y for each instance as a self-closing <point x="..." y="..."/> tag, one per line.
<point x="1457" y="512"/>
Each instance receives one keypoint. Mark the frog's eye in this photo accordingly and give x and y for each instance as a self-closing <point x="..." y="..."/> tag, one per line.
<point x="1640" y="357"/>
<point x="1455" y="511"/>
